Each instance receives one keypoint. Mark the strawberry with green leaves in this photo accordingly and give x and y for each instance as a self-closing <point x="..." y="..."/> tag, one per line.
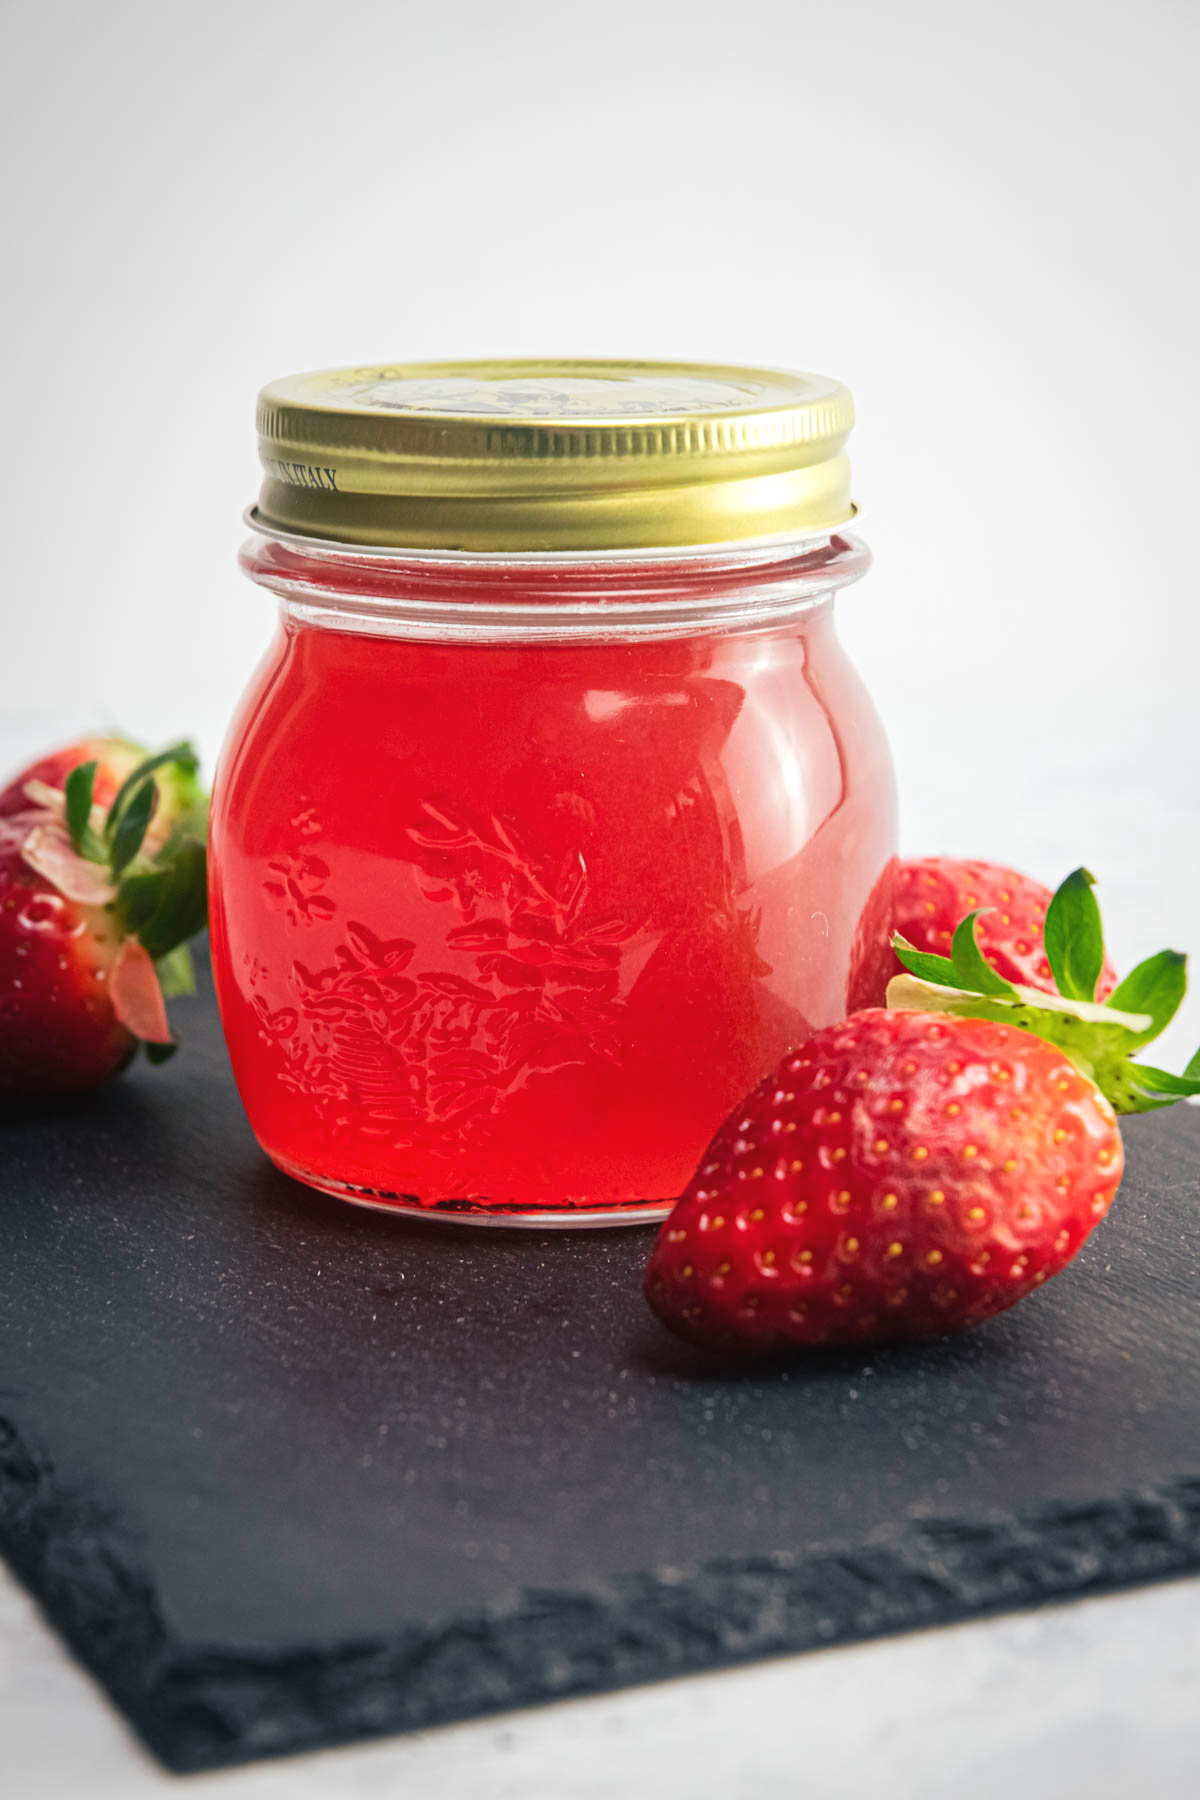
<point x="932" y="893"/>
<point x="115" y="759"/>
<point x="1104" y="1038"/>
<point x="913" y="1171"/>
<point x="98" y="898"/>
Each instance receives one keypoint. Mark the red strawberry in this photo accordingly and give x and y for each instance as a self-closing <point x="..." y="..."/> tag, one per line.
<point x="96" y="904"/>
<point x="898" y="1176"/>
<point x="933" y="893"/>
<point x="912" y="1172"/>
<point x="115" y="758"/>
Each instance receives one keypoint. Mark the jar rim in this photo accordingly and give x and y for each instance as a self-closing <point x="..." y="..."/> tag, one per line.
<point x="727" y="553"/>
<point x="550" y="597"/>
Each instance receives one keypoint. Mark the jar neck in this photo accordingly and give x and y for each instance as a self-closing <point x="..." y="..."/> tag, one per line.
<point x="447" y="596"/>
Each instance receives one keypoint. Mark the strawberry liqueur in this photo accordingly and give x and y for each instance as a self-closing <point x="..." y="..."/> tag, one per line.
<point x="529" y="862"/>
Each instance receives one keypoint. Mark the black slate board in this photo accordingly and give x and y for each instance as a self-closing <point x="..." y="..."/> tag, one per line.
<point x="286" y="1473"/>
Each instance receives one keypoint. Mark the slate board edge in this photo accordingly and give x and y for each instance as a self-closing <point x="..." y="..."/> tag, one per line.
<point x="203" y="1708"/>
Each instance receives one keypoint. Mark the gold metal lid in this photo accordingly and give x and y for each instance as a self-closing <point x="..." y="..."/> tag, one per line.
<point x="553" y="455"/>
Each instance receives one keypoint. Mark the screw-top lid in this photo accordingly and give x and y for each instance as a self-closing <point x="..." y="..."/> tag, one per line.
<point x="553" y="455"/>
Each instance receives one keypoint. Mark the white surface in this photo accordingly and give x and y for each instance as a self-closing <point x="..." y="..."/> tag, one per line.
<point x="981" y="219"/>
<point x="1091" y="1701"/>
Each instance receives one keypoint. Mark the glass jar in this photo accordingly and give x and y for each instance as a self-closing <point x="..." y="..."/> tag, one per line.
<point x="550" y="820"/>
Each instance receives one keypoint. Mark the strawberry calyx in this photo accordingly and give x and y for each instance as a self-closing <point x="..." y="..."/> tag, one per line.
<point x="143" y="860"/>
<point x="1100" y="1038"/>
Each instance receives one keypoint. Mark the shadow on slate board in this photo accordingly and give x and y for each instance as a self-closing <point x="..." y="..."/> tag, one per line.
<point x="285" y="1473"/>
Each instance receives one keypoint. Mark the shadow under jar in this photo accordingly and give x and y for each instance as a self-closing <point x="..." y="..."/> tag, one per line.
<point x="555" y="814"/>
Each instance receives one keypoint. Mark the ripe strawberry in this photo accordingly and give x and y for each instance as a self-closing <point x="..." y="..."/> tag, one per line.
<point x="933" y="893"/>
<point x="96" y="904"/>
<point x="115" y="758"/>
<point x="911" y="1172"/>
<point x="898" y="1176"/>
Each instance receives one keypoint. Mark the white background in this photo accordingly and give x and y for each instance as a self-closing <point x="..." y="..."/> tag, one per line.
<point x="981" y="218"/>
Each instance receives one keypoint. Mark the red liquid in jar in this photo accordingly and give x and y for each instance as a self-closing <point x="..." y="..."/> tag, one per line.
<point x="507" y="927"/>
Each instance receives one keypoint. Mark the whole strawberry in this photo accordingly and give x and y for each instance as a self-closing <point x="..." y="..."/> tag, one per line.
<point x="933" y="893"/>
<point x="96" y="904"/>
<point x="912" y="1172"/>
<point x="899" y="1176"/>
